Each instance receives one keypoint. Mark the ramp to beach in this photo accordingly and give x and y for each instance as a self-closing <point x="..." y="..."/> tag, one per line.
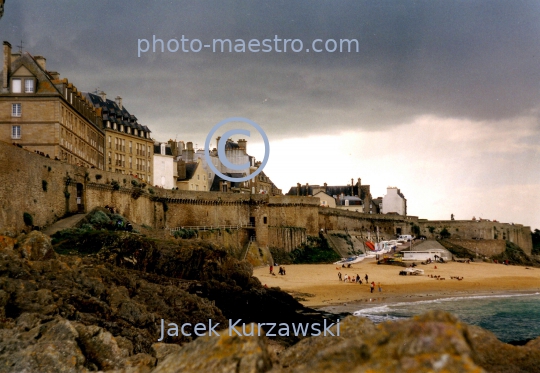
<point x="338" y="244"/>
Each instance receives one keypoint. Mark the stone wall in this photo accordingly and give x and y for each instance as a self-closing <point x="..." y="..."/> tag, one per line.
<point x="482" y="247"/>
<point x="388" y="225"/>
<point x="485" y="230"/>
<point x="282" y="222"/>
<point x="286" y="238"/>
<point x="23" y="175"/>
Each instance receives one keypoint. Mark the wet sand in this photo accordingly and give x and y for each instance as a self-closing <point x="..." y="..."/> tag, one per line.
<point x="317" y="285"/>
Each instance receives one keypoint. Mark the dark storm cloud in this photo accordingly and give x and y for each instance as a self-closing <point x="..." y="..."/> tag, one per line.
<point x="476" y="60"/>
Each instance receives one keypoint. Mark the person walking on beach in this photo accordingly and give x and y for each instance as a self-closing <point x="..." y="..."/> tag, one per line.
<point x="380" y="287"/>
<point x="339" y="276"/>
<point x="366" y="278"/>
<point x="358" y="279"/>
<point x="271" y="269"/>
<point x="372" y="286"/>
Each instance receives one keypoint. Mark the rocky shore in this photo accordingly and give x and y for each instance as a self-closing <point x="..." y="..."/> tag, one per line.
<point x="94" y="301"/>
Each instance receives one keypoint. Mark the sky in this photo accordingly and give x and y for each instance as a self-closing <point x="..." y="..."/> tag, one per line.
<point x="441" y="99"/>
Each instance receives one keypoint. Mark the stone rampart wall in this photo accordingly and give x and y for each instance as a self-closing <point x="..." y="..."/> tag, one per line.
<point x="485" y="230"/>
<point x="24" y="176"/>
<point x="483" y="247"/>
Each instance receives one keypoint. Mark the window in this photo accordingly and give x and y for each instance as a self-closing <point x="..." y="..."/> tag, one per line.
<point x="16" y="110"/>
<point x="16" y="86"/>
<point x="28" y="86"/>
<point x="265" y="220"/>
<point x="15" y="132"/>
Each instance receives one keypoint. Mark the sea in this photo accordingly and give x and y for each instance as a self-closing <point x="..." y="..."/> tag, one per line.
<point x="513" y="318"/>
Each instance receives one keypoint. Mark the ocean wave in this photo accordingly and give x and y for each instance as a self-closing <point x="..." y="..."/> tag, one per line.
<point x="391" y="307"/>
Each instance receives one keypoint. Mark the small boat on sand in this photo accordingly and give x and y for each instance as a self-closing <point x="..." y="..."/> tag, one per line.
<point x="351" y="260"/>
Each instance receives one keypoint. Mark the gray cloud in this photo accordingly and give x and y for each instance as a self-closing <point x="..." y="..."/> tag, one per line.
<point x="476" y="60"/>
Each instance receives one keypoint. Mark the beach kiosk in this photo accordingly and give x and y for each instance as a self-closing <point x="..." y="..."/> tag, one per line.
<point x="434" y="255"/>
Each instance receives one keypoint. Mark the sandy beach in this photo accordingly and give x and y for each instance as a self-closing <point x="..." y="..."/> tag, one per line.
<point x="317" y="285"/>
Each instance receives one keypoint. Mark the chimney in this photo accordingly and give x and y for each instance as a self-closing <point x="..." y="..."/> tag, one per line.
<point x="118" y="100"/>
<point x="181" y="169"/>
<point x="189" y="152"/>
<point x="325" y="187"/>
<point x="352" y="186"/>
<point x="41" y="61"/>
<point x="298" y="188"/>
<point x="55" y="75"/>
<point x="174" y="147"/>
<point x="359" y="184"/>
<point x="7" y="65"/>
<point x="307" y="189"/>
<point x="242" y="144"/>
<point x="103" y="95"/>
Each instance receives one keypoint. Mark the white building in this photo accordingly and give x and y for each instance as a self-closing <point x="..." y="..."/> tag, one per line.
<point x="164" y="167"/>
<point x="394" y="202"/>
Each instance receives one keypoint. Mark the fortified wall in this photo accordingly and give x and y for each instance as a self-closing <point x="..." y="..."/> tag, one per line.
<point x="479" y="230"/>
<point x="50" y="189"/>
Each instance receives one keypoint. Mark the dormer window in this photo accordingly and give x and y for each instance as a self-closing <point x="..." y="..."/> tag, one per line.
<point x="108" y="124"/>
<point x="129" y="130"/>
<point x="29" y="86"/>
<point x="16" y="86"/>
<point x="135" y="132"/>
<point x="121" y="128"/>
<point x="114" y="127"/>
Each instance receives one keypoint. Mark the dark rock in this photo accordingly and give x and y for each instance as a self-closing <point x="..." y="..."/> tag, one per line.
<point x="234" y="354"/>
<point x="35" y="246"/>
<point x="161" y="350"/>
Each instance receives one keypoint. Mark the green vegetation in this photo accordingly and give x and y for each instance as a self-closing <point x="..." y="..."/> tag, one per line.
<point x="415" y="229"/>
<point x="185" y="233"/>
<point x="316" y="250"/>
<point x="115" y="185"/>
<point x="44" y="185"/>
<point x="135" y="183"/>
<point x="151" y="191"/>
<point x="28" y="219"/>
<point x="99" y="218"/>
<point x="515" y="255"/>
<point x="536" y="242"/>
<point x="98" y="177"/>
<point x="431" y="229"/>
<point x="444" y="233"/>
<point x="67" y="194"/>
<point x="136" y="192"/>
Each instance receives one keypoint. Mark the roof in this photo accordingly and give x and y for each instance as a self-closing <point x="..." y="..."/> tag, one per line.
<point x="157" y="149"/>
<point x="216" y="183"/>
<point x="113" y="113"/>
<point x="45" y="82"/>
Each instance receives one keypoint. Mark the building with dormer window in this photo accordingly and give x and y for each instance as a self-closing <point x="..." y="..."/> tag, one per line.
<point x="129" y="148"/>
<point x="43" y="113"/>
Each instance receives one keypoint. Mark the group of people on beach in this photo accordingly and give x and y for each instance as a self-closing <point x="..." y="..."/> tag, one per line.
<point x="358" y="280"/>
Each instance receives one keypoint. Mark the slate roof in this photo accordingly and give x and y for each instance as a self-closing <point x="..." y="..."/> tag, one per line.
<point x="333" y="190"/>
<point x="112" y="112"/>
<point x="216" y="183"/>
<point x="191" y="167"/>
